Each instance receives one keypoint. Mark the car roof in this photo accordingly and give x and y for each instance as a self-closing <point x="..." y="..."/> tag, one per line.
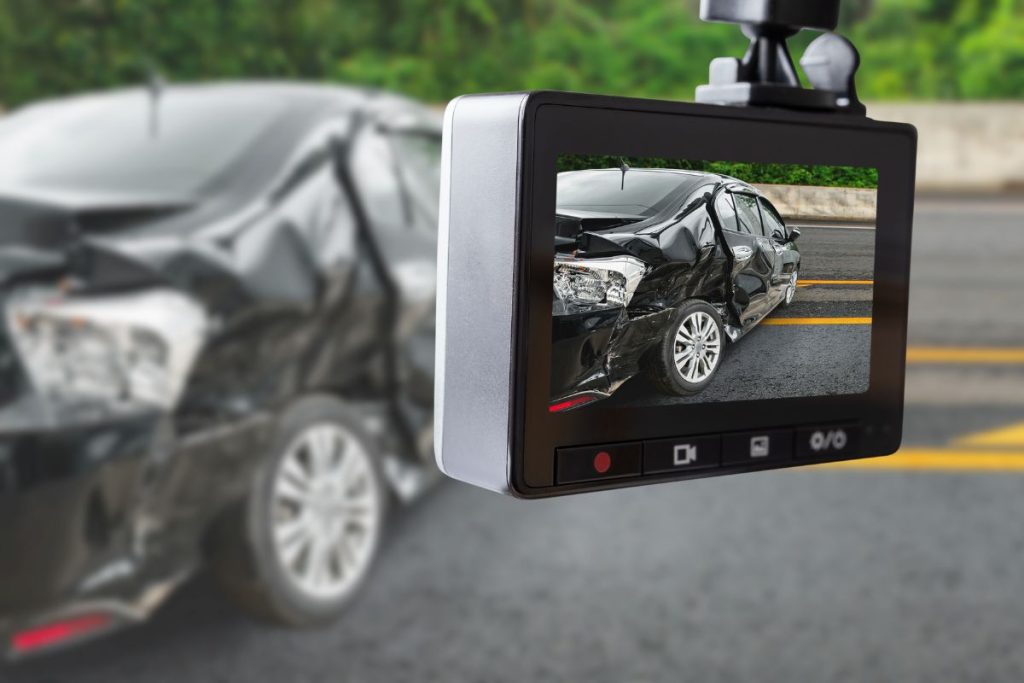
<point x="697" y="176"/>
<point x="695" y="180"/>
<point x="299" y="98"/>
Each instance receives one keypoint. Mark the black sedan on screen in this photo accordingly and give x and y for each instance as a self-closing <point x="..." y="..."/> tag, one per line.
<point x="656" y="270"/>
<point x="216" y="347"/>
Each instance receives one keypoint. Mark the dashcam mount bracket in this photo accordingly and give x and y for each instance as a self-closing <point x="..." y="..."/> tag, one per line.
<point x="766" y="76"/>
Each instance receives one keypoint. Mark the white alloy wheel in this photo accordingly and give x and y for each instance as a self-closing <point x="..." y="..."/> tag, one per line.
<point x="326" y="511"/>
<point x="698" y="347"/>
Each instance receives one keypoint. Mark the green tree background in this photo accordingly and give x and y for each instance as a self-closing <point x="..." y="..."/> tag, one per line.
<point x="783" y="174"/>
<point x="436" y="49"/>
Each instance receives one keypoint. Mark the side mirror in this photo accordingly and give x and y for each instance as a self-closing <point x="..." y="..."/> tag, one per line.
<point x="794" y="233"/>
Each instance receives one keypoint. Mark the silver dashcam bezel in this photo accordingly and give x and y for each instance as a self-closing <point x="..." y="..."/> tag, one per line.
<point x="479" y="210"/>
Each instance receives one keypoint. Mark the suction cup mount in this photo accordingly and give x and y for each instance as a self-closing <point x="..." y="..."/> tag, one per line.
<point x="766" y="76"/>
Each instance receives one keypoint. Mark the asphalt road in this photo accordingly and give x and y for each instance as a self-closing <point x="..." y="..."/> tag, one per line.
<point x="805" y="358"/>
<point x="913" y="573"/>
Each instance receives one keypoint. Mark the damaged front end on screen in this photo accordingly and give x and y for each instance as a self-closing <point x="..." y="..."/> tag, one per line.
<point x="619" y="280"/>
<point x="591" y="296"/>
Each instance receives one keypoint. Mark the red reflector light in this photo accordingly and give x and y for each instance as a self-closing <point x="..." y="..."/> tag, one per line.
<point x="574" y="402"/>
<point x="57" y="632"/>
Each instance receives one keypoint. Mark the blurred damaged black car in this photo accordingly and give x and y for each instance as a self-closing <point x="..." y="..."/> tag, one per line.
<point x="216" y="344"/>
<point x="655" y="270"/>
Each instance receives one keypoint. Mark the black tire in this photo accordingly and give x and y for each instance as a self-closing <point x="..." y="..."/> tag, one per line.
<point x="241" y="549"/>
<point x="660" y="362"/>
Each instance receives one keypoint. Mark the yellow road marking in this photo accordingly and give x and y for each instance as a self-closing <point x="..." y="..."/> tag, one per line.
<point x="817" y="321"/>
<point x="835" y="282"/>
<point x="991" y="355"/>
<point x="1011" y="436"/>
<point x="937" y="459"/>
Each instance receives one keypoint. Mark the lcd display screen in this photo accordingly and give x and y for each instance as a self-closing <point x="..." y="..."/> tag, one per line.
<point x="687" y="281"/>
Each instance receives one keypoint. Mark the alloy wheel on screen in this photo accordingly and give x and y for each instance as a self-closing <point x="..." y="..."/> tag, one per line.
<point x="698" y="347"/>
<point x="325" y="511"/>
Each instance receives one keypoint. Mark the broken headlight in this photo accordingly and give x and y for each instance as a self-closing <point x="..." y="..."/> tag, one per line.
<point x="104" y="354"/>
<point x="596" y="283"/>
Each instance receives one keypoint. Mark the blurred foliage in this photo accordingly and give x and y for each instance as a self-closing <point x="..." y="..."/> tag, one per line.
<point x="780" y="174"/>
<point x="435" y="49"/>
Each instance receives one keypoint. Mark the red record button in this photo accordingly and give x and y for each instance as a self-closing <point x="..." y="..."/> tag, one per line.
<point x="598" y="462"/>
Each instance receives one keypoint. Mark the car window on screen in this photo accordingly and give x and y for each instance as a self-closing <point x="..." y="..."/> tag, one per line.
<point x="750" y="218"/>
<point x="636" y="193"/>
<point x="773" y="225"/>
<point x="726" y="212"/>
<point x="127" y="144"/>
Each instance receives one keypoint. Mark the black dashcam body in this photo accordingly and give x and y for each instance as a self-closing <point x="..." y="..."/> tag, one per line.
<point x="613" y="280"/>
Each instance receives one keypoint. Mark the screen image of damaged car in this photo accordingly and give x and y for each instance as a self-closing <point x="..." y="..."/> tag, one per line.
<point x="655" y="272"/>
<point x="217" y="347"/>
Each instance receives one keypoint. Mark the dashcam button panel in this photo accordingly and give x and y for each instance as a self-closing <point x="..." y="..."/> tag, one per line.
<point x="828" y="442"/>
<point x="683" y="454"/>
<point x="749" y="448"/>
<point x="590" y="463"/>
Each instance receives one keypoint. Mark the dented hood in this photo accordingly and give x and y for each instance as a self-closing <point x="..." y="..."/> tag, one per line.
<point x="46" y="231"/>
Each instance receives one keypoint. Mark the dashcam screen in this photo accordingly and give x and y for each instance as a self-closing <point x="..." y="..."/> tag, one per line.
<point x="682" y="281"/>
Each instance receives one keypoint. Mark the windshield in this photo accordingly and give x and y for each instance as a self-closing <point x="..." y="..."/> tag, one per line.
<point x="640" y="193"/>
<point x="120" y="143"/>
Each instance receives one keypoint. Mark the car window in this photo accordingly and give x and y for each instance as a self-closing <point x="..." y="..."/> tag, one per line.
<point x="639" y="192"/>
<point x="374" y="169"/>
<point x="726" y="211"/>
<point x="129" y="144"/>
<point x="773" y="224"/>
<point x="419" y="163"/>
<point x="750" y="217"/>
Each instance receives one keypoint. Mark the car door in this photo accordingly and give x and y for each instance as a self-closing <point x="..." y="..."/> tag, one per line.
<point x="788" y="258"/>
<point x="398" y="174"/>
<point x="753" y="263"/>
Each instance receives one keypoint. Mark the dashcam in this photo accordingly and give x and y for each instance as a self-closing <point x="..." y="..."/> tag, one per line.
<point x="635" y="291"/>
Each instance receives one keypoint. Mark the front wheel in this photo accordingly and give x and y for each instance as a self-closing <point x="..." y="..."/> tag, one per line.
<point x="299" y="548"/>
<point x="690" y="353"/>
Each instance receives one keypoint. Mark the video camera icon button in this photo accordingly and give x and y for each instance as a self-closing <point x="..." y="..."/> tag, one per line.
<point x="589" y="463"/>
<point x="756" y="447"/>
<point x="687" y="453"/>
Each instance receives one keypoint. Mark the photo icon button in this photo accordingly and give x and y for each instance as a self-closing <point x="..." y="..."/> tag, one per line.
<point x="757" y="447"/>
<point x="683" y="454"/>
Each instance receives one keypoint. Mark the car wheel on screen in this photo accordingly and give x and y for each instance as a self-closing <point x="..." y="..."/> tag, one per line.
<point x="791" y="288"/>
<point x="304" y="541"/>
<point x="690" y="353"/>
